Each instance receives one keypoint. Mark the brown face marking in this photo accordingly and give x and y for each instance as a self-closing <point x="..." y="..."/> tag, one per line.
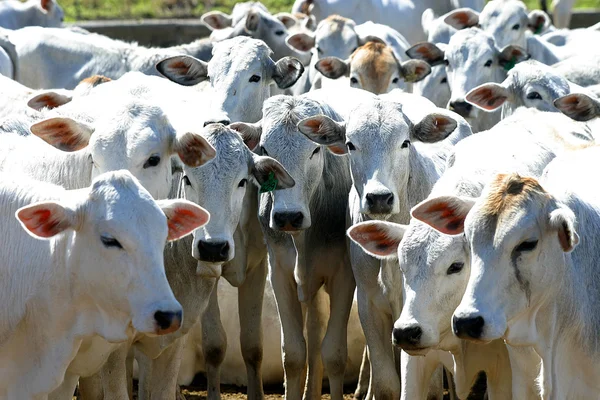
<point x="96" y="80"/>
<point x="374" y="63"/>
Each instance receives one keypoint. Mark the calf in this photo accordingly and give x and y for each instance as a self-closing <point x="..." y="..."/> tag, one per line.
<point x="82" y="263"/>
<point x="373" y="67"/>
<point x="380" y="191"/>
<point x="16" y="14"/>
<point x="537" y="283"/>
<point x="471" y="58"/>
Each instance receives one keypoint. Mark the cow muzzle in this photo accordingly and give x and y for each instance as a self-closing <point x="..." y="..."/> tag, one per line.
<point x="167" y="321"/>
<point x="288" y="221"/>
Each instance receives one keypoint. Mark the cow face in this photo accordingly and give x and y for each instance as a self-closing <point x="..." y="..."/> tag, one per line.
<point x="334" y="37"/>
<point x="530" y="84"/>
<point x="471" y="59"/>
<point x="378" y="139"/>
<point x="434" y="86"/>
<point x="117" y="250"/>
<point x="241" y="73"/>
<point x="506" y="21"/>
<point x="277" y="136"/>
<point x="137" y="137"/>
<point x="221" y="187"/>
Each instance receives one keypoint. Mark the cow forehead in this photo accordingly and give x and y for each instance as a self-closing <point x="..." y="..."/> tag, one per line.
<point x="508" y="199"/>
<point x="502" y="11"/>
<point x="119" y="200"/>
<point x="533" y="72"/>
<point x="376" y="121"/>
<point x="238" y="54"/>
<point x="232" y="158"/>
<point x="470" y="43"/>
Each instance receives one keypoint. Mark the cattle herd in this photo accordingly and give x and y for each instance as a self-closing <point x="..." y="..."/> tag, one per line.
<point x="388" y="192"/>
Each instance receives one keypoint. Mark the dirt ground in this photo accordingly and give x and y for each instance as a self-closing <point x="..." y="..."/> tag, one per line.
<point x="231" y="393"/>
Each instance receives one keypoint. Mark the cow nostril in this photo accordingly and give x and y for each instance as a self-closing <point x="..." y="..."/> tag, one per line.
<point x="408" y="337"/>
<point x="471" y="327"/>
<point x="289" y="219"/>
<point x="224" y="250"/>
<point x="225" y="122"/>
<point x="212" y="121"/>
<point x="165" y="319"/>
<point x="213" y="251"/>
<point x="380" y="203"/>
<point x="297" y="219"/>
<point x="390" y="199"/>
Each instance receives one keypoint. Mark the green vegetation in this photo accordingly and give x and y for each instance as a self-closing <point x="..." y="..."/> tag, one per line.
<point x="135" y="9"/>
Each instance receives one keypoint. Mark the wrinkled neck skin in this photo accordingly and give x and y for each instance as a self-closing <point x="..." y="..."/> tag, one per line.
<point x="46" y="349"/>
<point x="72" y="170"/>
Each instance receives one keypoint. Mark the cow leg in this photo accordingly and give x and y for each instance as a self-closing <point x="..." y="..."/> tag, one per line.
<point x="290" y="315"/>
<point x="377" y="326"/>
<point x="364" y="377"/>
<point x="416" y="375"/>
<point x="335" y="344"/>
<point x="214" y="344"/>
<point x="90" y="388"/>
<point x="66" y="388"/>
<point x="316" y="324"/>
<point x="250" y="304"/>
<point x="114" y="374"/>
<point x="165" y="369"/>
<point x="145" y="365"/>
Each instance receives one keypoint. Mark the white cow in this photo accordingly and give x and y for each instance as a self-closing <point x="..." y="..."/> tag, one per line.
<point x="242" y="74"/>
<point x="562" y="12"/>
<point x="534" y="279"/>
<point x="304" y="229"/>
<point x="254" y="20"/>
<point x="381" y="138"/>
<point x="582" y="69"/>
<point x="68" y="56"/>
<point x="221" y="248"/>
<point x="529" y="84"/>
<point x="87" y="262"/>
<point x="471" y="59"/>
<point x="401" y="15"/>
<point x="15" y="14"/>
<point x="375" y="68"/>
<point x="436" y="267"/>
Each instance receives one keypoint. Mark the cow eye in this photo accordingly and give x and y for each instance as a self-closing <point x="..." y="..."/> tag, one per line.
<point x="319" y="50"/>
<point x="446" y="62"/>
<point x="527" y="245"/>
<point x="395" y="80"/>
<point x="255" y="78"/>
<point x="444" y="80"/>
<point x="534" y="96"/>
<point x="242" y="183"/>
<point x="316" y="151"/>
<point x="263" y="151"/>
<point x="488" y="63"/>
<point x="405" y="144"/>
<point x="279" y="33"/>
<point x="153" y="161"/>
<point x="455" y="268"/>
<point x="353" y="50"/>
<point x="108" y="241"/>
<point x="353" y="80"/>
<point x="186" y="181"/>
<point x="516" y="27"/>
<point x="350" y="146"/>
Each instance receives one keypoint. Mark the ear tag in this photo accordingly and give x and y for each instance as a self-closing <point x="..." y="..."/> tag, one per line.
<point x="510" y="64"/>
<point x="410" y="77"/>
<point x="270" y="184"/>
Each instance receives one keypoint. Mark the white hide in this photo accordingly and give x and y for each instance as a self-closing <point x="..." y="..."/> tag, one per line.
<point x="15" y="14"/>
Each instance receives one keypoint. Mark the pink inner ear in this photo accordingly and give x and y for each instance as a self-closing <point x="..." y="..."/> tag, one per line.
<point x="375" y="239"/>
<point x="486" y="98"/>
<point x="41" y="222"/>
<point x="194" y="151"/>
<point x="443" y="217"/>
<point x="183" y="220"/>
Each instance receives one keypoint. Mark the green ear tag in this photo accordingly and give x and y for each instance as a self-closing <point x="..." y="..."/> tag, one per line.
<point x="510" y="64"/>
<point x="538" y="30"/>
<point x="270" y="184"/>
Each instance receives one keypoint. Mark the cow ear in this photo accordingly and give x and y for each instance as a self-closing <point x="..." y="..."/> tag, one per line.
<point x="323" y="130"/>
<point x="45" y="220"/>
<point x="63" y="133"/>
<point x="462" y="18"/>
<point x="301" y="41"/>
<point x="578" y="106"/>
<point x="488" y="96"/>
<point x="333" y="67"/>
<point x="183" y="217"/>
<point x="538" y="21"/>
<point x="414" y="70"/>
<point x="563" y="221"/>
<point x="427" y="52"/>
<point x="446" y="214"/>
<point x="216" y="20"/>
<point x="252" y="21"/>
<point x="48" y="100"/>
<point x="287" y="72"/>
<point x="287" y="19"/>
<point x="378" y="238"/>
<point x="266" y="168"/>
<point x="184" y="70"/>
<point x="193" y="149"/>
<point x="512" y="55"/>
<point x="427" y="18"/>
<point x="310" y="22"/>
<point x="434" y="128"/>
<point x="47" y="5"/>
<point x="250" y="133"/>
